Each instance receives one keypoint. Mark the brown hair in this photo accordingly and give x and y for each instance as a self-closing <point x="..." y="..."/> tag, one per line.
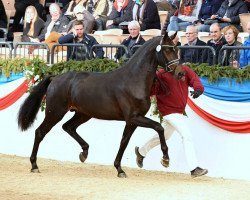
<point x="78" y="22"/>
<point x="234" y="29"/>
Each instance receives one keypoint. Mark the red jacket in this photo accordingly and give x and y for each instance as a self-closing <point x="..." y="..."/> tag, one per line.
<point x="174" y="100"/>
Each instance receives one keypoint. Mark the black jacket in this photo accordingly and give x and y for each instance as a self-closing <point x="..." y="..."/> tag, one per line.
<point x="193" y="55"/>
<point x="151" y="19"/>
<point x="76" y="53"/>
<point x="131" y="50"/>
<point x="237" y="7"/>
<point x="38" y="26"/>
<point x="3" y="16"/>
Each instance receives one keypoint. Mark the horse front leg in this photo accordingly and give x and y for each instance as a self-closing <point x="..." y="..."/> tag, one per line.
<point x="127" y="133"/>
<point x="148" y="123"/>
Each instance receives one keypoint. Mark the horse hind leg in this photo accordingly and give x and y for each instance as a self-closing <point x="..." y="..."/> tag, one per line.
<point x="148" y="123"/>
<point x="71" y="126"/>
<point x="48" y="123"/>
<point x="127" y="133"/>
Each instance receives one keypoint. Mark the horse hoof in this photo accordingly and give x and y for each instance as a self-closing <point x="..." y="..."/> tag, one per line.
<point x="122" y="175"/>
<point x="35" y="171"/>
<point x="165" y="162"/>
<point x="83" y="156"/>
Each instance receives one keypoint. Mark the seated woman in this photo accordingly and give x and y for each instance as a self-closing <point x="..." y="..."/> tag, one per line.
<point x="245" y="54"/>
<point x="134" y="38"/>
<point x="230" y="57"/>
<point x="121" y="12"/>
<point x="33" y="25"/>
<point x="145" y="11"/>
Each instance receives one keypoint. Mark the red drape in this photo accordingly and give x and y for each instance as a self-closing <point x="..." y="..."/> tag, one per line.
<point x="236" y="127"/>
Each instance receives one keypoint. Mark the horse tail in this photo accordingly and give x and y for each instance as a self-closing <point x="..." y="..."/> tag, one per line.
<point x="31" y="105"/>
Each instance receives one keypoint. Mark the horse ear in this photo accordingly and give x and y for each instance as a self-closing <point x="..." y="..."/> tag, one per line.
<point x="172" y="36"/>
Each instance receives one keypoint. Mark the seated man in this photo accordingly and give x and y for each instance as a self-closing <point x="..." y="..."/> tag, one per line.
<point x="216" y="42"/>
<point x="192" y="55"/>
<point x="245" y="54"/>
<point x="121" y="12"/>
<point x="79" y="37"/>
<point x="228" y="14"/>
<point x="134" y="38"/>
<point x="55" y="22"/>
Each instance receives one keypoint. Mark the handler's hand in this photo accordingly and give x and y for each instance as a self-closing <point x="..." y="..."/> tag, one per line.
<point x="195" y="94"/>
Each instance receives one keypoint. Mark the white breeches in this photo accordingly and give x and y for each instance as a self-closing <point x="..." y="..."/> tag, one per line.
<point x="171" y="123"/>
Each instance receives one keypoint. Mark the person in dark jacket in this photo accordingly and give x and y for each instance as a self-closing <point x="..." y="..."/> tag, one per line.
<point x="192" y="55"/>
<point x="33" y="25"/>
<point x="134" y="39"/>
<point x="230" y="57"/>
<point x="56" y="22"/>
<point x="20" y="6"/>
<point x="145" y="11"/>
<point x="228" y="14"/>
<point x="121" y="12"/>
<point x="208" y="8"/>
<point x="79" y="37"/>
<point x="216" y="42"/>
<point x="3" y="21"/>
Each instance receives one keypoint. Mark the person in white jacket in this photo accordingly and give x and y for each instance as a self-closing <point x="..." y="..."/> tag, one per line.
<point x="187" y="15"/>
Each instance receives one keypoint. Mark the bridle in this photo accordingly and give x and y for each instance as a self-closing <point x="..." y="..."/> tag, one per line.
<point x="162" y="59"/>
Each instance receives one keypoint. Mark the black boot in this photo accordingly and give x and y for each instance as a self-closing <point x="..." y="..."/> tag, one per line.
<point x="139" y="157"/>
<point x="198" y="172"/>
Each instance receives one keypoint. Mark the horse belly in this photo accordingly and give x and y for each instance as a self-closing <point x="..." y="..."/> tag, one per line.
<point x="99" y="106"/>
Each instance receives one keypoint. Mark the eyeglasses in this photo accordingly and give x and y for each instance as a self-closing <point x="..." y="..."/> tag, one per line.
<point x="190" y="33"/>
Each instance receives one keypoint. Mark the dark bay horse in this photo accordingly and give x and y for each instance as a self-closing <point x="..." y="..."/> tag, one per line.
<point x="123" y="94"/>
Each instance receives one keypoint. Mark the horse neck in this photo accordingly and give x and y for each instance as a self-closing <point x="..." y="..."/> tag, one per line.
<point x="142" y="70"/>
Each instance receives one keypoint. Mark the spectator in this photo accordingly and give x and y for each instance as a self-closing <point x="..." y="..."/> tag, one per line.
<point x="216" y="42"/>
<point x="121" y="12"/>
<point x="145" y="11"/>
<point x="3" y="16"/>
<point x="245" y="54"/>
<point x="208" y="8"/>
<point x="79" y="37"/>
<point x="134" y="38"/>
<point x="69" y="8"/>
<point x="187" y="15"/>
<point x="80" y="13"/>
<point x="192" y="55"/>
<point x="33" y="25"/>
<point x="228" y="14"/>
<point x="55" y="22"/>
<point x="99" y="9"/>
<point x="171" y="104"/>
<point x="20" y="6"/>
<point x="3" y="21"/>
<point x="231" y="57"/>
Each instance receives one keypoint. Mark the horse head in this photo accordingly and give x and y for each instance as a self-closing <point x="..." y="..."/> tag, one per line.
<point x="167" y="54"/>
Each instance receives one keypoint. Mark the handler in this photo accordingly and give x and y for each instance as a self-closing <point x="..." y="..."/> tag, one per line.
<point x="171" y="103"/>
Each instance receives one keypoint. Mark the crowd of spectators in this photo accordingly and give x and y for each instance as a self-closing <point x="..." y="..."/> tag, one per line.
<point x="218" y="17"/>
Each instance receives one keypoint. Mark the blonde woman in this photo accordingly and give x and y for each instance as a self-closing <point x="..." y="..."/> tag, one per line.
<point x="33" y="25"/>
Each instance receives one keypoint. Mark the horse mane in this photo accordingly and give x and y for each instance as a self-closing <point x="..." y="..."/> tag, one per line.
<point x="144" y="50"/>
